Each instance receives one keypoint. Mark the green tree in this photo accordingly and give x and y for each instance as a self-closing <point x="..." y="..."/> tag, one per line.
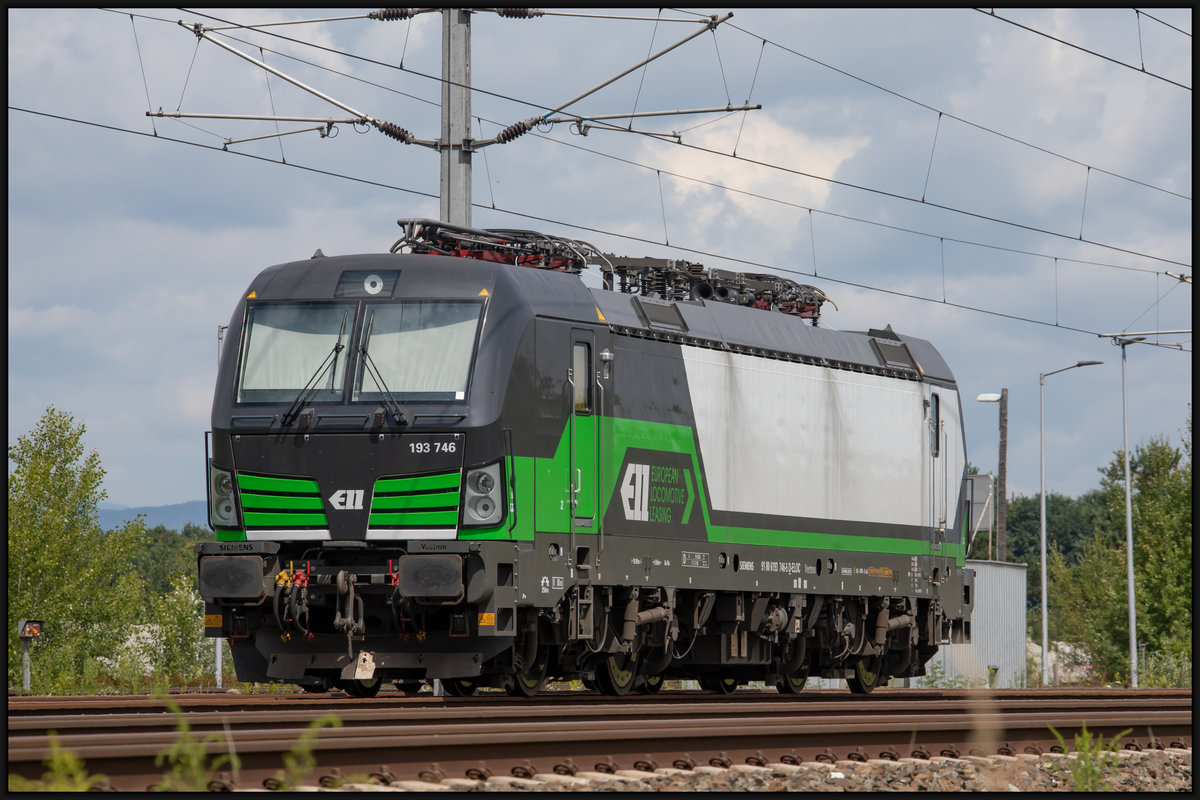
<point x="1091" y="597"/>
<point x="173" y="644"/>
<point x="1161" y="478"/>
<point x="1070" y="525"/>
<point x="168" y="553"/>
<point x="62" y="568"/>
<point x="1088" y="606"/>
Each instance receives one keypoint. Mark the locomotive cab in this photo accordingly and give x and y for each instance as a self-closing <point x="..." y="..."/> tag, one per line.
<point x="357" y="470"/>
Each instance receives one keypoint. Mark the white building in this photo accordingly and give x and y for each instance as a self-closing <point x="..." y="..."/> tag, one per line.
<point x="996" y="655"/>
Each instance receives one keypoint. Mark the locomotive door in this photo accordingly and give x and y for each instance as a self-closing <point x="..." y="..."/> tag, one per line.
<point x="584" y="433"/>
<point x="937" y="469"/>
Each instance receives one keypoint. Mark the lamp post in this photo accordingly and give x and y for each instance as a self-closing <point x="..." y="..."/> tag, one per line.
<point x="1002" y="504"/>
<point x="1133" y="661"/>
<point x="1124" y="340"/>
<point x="1045" y="615"/>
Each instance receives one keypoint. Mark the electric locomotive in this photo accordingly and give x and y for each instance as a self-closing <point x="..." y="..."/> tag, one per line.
<point x="458" y="461"/>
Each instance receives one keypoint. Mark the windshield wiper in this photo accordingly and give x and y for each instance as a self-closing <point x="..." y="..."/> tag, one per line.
<point x="311" y="386"/>
<point x="368" y="363"/>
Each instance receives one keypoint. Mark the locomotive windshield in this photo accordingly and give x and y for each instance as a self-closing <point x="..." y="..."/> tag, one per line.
<point x="411" y="350"/>
<point x="287" y="347"/>
<point x="421" y="350"/>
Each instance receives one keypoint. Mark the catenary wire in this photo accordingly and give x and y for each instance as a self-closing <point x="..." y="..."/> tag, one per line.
<point x="859" y="187"/>
<point x="733" y="26"/>
<point x="894" y="195"/>
<point x="927" y="107"/>
<point x="1143" y="71"/>
<point x="810" y="210"/>
<point x="921" y="201"/>
<point x="734" y="259"/>
<point x="1142" y="13"/>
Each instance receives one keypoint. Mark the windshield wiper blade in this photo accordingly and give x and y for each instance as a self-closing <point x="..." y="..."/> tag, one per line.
<point x="393" y="407"/>
<point x="331" y="359"/>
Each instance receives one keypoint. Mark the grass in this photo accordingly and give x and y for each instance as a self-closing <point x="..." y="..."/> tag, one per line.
<point x="188" y="766"/>
<point x="1092" y="761"/>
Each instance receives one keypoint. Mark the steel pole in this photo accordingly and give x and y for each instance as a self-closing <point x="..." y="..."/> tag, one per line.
<point x="1002" y="505"/>
<point x="456" y="117"/>
<point x="1045" y="606"/>
<point x="1133" y="664"/>
<point x="1042" y="517"/>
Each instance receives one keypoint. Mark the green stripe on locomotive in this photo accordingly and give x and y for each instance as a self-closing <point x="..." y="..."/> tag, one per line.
<point x="549" y="511"/>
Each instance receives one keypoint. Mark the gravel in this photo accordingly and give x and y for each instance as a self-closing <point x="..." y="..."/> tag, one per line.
<point x="1136" y="771"/>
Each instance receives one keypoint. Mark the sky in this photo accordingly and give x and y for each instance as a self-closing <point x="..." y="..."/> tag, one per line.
<point x="1008" y="186"/>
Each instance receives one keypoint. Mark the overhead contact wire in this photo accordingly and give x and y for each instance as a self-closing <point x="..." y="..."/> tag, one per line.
<point x="928" y="107"/>
<point x="142" y="66"/>
<point x="1143" y="70"/>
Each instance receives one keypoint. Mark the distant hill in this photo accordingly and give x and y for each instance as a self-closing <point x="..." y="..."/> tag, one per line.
<point x="173" y="517"/>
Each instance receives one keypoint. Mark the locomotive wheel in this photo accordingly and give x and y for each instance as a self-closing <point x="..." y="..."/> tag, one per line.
<point x="718" y="684"/>
<point x="794" y="683"/>
<point x="409" y="688"/>
<point x="868" y="673"/>
<point x="460" y="687"/>
<point x="315" y="686"/>
<point x="651" y="684"/>
<point x="367" y="688"/>
<point x="616" y="673"/>
<point x="532" y="680"/>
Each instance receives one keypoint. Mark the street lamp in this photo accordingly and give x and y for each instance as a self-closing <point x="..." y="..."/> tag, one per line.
<point x="1124" y="340"/>
<point x="1002" y="505"/>
<point x="1128" y="515"/>
<point x="1045" y="615"/>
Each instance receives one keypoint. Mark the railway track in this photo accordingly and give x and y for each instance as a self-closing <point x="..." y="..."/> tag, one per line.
<point x="393" y="737"/>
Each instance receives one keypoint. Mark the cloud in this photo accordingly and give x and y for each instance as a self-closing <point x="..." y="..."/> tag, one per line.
<point x="719" y="200"/>
<point x="57" y="320"/>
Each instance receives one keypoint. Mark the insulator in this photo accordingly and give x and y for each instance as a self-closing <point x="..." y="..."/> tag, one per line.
<point x="660" y="285"/>
<point x="512" y="132"/>
<point x="519" y="13"/>
<point x="394" y="131"/>
<point x="391" y="14"/>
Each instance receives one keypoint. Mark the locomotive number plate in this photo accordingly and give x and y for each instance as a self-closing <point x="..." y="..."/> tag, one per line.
<point x="423" y="446"/>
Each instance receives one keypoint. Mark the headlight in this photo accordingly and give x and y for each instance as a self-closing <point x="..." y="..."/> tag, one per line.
<point x="483" y="507"/>
<point x="222" y="506"/>
<point x="482" y="502"/>
<point x="482" y="482"/>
